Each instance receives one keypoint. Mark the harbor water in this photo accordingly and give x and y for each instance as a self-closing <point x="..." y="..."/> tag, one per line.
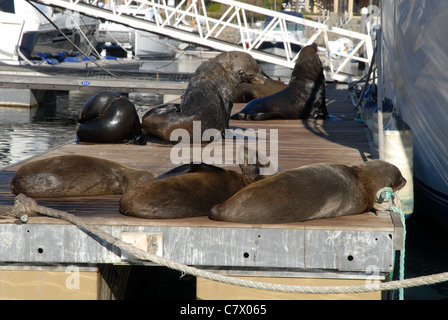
<point x="28" y="132"/>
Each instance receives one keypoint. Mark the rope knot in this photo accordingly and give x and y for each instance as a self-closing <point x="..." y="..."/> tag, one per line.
<point x="384" y="199"/>
<point x="24" y="207"/>
<point x="384" y="195"/>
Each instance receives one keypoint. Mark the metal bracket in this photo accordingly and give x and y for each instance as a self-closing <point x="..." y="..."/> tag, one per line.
<point x="150" y="242"/>
<point x="398" y="230"/>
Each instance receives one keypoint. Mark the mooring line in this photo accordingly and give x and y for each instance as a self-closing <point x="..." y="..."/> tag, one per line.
<point x="25" y="207"/>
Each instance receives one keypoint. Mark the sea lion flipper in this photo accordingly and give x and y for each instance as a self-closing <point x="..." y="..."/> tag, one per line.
<point x="190" y="168"/>
<point x="332" y="118"/>
<point x="237" y="116"/>
<point x="163" y="108"/>
<point x="251" y="163"/>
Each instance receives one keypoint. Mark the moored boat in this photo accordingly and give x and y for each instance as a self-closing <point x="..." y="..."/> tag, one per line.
<point x="39" y="32"/>
<point x="415" y="61"/>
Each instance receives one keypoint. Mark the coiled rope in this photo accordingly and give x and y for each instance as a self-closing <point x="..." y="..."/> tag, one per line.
<point x="25" y="207"/>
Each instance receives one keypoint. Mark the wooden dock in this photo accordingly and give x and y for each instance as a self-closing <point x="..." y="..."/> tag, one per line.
<point x="337" y="248"/>
<point x="61" y="83"/>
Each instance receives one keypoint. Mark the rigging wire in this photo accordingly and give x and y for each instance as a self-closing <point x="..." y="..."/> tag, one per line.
<point x="71" y="42"/>
<point x="367" y="80"/>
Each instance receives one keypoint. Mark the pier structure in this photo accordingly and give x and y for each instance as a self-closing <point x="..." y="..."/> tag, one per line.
<point x="29" y="86"/>
<point x="346" y="250"/>
<point x="60" y="83"/>
<point x="59" y="260"/>
<point x="189" y="22"/>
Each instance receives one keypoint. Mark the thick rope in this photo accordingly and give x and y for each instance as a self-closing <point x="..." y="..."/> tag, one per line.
<point x="389" y="200"/>
<point x="25" y="206"/>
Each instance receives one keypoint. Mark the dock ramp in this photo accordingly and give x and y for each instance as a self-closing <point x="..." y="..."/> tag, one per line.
<point x="190" y="22"/>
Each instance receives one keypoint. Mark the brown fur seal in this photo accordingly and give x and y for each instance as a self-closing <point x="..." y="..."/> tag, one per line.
<point x="310" y="192"/>
<point x="246" y="92"/>
<point x="303" y="97"/>
<point x="75" y="176"/>
<point x="187" y="191"/>
<point x="208" y="97"/>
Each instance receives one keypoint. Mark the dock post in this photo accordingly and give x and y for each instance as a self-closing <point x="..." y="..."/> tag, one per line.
<point x="112" y="281"/>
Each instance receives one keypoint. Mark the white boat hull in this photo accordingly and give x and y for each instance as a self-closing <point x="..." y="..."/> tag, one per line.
<point x="415" y="68"/>
<point x="27" y="33"/>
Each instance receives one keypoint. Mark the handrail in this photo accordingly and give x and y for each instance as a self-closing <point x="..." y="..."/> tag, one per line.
<point x="207" y="31"/>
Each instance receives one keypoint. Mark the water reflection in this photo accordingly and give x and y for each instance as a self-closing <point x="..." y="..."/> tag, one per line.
<point x="27" y="132"/>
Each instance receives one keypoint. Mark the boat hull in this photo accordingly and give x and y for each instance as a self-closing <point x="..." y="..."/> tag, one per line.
<point x="415" y="69"/>
<point x="51" y="42"/>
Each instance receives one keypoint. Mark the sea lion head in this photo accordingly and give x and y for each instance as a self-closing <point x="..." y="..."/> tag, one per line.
<point x="308" y="64"/>
<point x="382" y="174"/>
<point x="97" y="106"/>
<point x="244" y="67"/>
<point x="255" y="165"/>
<point x="378" y="174"/>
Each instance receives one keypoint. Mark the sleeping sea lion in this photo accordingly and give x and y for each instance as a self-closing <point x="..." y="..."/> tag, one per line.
<point x="310" y="192"/>
<point x="75" y="176"/>
<point x="188" y="190"/>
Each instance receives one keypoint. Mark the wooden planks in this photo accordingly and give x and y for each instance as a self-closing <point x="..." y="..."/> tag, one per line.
<point x="300" y="142"/>
<point x="104" y="210"/>
<point x="343" y="246"/>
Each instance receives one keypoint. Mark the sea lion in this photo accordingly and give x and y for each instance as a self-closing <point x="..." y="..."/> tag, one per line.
<point x="246" y="92"/>
<point x="208" y="97"/>
<point x="310" y="192"/>
<point x="75" y="176"/>
<point x="187" y="191"/>
<point x="109" y="117"/>
<point x="303" y="97"/>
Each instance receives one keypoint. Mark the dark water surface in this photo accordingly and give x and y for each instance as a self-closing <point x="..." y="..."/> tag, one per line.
<point x="27" y="132"/>
<point x="426" y="254"/>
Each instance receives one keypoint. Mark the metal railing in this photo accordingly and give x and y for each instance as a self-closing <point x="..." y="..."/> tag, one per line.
<point x="189" y="21"/>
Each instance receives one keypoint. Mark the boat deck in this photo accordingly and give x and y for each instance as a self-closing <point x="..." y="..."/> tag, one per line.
<point x="344" y="244"/>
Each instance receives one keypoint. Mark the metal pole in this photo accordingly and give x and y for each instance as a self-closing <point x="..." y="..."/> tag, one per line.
<point x="380" y="98"/>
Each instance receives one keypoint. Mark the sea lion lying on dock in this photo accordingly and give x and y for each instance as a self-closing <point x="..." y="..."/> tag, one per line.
<point x="208" y="97"/>
<point x="75" y="176"/>
<point x="246" y="92"/>
<point x="187" y="191"/>
<point x="310" y="192"/>
<point x="303" y="97"/>
<point x="109" y="117"/>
